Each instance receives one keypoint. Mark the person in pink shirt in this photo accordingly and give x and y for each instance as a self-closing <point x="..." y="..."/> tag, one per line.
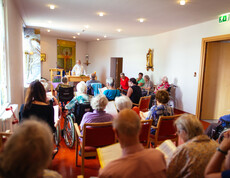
<point x="135" y="160"/>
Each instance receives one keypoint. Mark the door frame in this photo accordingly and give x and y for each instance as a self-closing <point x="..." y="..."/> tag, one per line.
<point x="202" y="68"/>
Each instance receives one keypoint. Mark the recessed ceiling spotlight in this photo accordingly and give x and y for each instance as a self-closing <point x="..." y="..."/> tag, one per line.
<point x="141" y="20"/>
<point x="48" y="30"/>
<point x="98" y="39"/>
<point x="119" y="30"/>
<point x="86" y="26"/>
<point x="52" y="6"/>
<point x="105" y="36"/>
<point x="74" y="37"/>
<point x="101" y="14"/>
<point x="78" y="34"/>
<point x="182" y="2"/>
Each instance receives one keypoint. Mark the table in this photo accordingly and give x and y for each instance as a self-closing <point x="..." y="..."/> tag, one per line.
<point x="78" y="78"/>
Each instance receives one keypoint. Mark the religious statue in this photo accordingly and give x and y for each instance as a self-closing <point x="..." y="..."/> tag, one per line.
<point x="149" y="60"/>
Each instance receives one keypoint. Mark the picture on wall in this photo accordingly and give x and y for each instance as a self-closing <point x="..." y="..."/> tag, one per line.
<point x="66" y="54"/>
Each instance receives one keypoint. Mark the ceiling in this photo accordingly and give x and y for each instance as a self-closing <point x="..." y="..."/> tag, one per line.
<point x="70" y="16"/>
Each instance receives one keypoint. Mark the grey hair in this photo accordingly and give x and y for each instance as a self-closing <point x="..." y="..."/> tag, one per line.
<point x="127" y="123"/>
<point x="28" y="151"/>
<point x="99" y="102"/>
<point x="123" y="102"/>
<point x="147" y="77"/>
<point x="122" y="73"/>
<point x="190" y="124"/>
<point x="81" y="87"/>
<point x="165" y="79"/>
<point x="64" y="79"/>
<point x="110" y="81"/>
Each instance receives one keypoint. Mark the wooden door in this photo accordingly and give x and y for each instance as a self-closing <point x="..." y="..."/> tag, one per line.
<point x="216" y="88"/>
<point x="116" y="69"/>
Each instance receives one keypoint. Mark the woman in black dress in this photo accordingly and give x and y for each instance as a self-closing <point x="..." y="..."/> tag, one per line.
<point x="134" y="91"/>
<point x="36" y="105"/>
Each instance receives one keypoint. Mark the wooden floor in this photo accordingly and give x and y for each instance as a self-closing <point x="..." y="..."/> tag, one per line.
<point x="64" y="161"/>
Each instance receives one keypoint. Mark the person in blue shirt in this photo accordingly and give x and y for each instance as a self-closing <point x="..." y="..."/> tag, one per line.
<point x="111" y="93"/>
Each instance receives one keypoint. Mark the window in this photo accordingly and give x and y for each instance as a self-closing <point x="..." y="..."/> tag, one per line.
<point x="3" y="68"/>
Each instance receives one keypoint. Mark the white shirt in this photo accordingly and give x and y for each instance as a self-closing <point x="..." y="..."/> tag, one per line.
<point x="78" y="70"/>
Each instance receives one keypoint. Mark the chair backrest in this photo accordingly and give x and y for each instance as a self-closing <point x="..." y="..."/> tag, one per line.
<point x="144" y="103"/>
<point x="98" y="134"/>
<point x="166" y="126"/>
<point x="95" y="87"/>
<point x="145" y="132"/>
<point x="80" y="110"/>
<point x="66" y="94"/>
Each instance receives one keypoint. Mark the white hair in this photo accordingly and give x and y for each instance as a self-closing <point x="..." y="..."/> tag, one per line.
<point x="165" y="79"/>
<point x="123" y="102"/>
<point x="99" y="102"/>
<point x="110" y="81"/>
<point x="81" y="87"/>
<point x="28" y="151"/>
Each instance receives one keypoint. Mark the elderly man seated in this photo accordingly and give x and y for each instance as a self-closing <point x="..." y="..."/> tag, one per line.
<point x="92" y="80"/>
<point x="135" y="161"/>
<point x="28" y="152"/>
<point x="98" y="104"/>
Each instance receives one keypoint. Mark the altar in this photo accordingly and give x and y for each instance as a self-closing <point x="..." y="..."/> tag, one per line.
<point x="72" y="78"/>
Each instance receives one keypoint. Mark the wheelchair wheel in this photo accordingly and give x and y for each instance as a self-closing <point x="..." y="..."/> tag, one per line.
<point x="69" y="131"/>
<point x="57" y="137"/>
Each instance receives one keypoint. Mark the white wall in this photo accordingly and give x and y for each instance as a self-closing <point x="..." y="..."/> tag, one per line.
<point x="14" y="25"/>
<point x="49" y="47"/>
<point x="176" y="55"/>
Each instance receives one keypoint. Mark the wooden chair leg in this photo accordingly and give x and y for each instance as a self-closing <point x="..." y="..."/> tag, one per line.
<point x="82" y="162"/>
<point x="77" y="150"/>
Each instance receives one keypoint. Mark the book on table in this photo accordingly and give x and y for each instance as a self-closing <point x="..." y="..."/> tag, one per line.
<point x="167" y="148"/>
<point x="109" y="153"/>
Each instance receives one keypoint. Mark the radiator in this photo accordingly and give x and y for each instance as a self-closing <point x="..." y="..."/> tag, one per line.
<point x="6" y="119"/>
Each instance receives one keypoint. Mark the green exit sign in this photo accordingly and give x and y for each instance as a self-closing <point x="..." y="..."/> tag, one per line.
<point x="224" y="18"/>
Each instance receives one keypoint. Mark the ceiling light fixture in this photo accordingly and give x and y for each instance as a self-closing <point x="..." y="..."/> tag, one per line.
<point x="105" y="36"/>
<point x="78" y="34"/>
<point x="98" y="39"/>
<point x="119" y="30"/>
<point x="101" y="14"/>
<point x="48" y="30"/>
<point x="52" y="6"/>
<point x="182" y="2"/>
<point x="74" y="37"/>
<point x="86" y="26"/>
<point x="141" y="20"/>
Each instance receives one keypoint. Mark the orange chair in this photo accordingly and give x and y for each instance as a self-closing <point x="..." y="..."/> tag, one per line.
<point x="136" y="109"/>
<point x="94" y="135"/>
<point x="143" y="103"/>
<point x="165" y="130"/>
<point x="145" y="132"/>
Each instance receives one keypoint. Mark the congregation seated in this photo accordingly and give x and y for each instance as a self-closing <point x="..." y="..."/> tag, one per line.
<point x="124" y="82"/>
<point x="222" y="155"/>
<point x="36" y="105"/>
<point x="111" y="93"/>
<point x="28" y="152"/>
<point x="123" y="102"/>
<point x="160" y="109"/>
<point x="92" y="80"/>
<point x="98" y="103"/>
<point x="140" y="80"/>
<point x="134" y="91"/>
<point x="164" y="84"/>
<point x="191" y="158"/>
<point x="135" y="160"/>
<point x="148" y="86"/>
<point x="81" y="96"/>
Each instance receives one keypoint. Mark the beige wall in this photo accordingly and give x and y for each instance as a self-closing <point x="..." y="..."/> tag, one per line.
<point x="14" y="25"/>
<point x="49" y="47"/>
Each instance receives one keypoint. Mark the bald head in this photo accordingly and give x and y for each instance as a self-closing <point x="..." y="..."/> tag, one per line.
<point x="78" y="62"/>
<point x="127" y="123"/>
<point x="93" y="76"/>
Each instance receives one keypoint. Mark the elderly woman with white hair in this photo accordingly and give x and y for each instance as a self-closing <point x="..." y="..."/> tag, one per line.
<point x="164" y="84"/>
<point x="191" y="158"/>
<point x="123" y="102"/>
<point x="111" y="93"/>
<point x="28" y="152"/>
<point x="98" y="103"/>
<point x="81" y="96"/>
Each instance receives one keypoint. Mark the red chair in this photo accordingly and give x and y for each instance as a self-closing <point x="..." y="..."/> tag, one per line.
<point x="94" y="135"/>
<point x="145" y="132"/>
<point x="165" y="130"/>
<point x="143" y="103"/>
